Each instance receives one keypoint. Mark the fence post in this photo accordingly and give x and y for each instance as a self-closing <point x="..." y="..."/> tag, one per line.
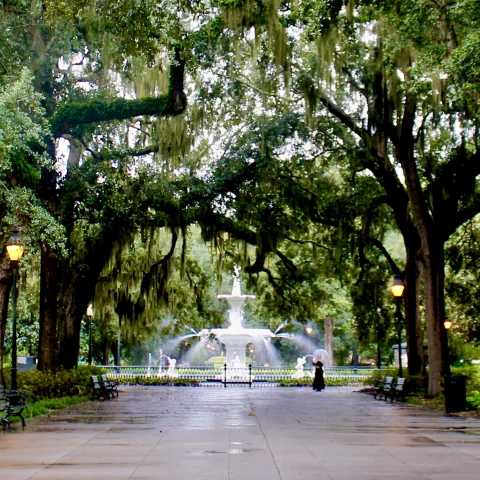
<point x="225" y="375"/>
<point x="250" y="374"/>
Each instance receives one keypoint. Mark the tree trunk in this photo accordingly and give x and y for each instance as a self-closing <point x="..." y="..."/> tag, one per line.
<point x="78" y="290"/>
<point x="432" y="244"/>
<point x="49" y="282"/>
<point x="434" y="281"/>
<point x="413" y="325"/>
<point x="114" y="350"/>
<point x="47" y="345"/>
<point x="329" y="341"/>
<point x="5" y="288"/>
<point x="106" y="351"/>
<point x="72" y="323"/>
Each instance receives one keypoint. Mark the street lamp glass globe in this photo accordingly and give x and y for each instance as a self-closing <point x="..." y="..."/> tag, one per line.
<point x="447" y="323"/>
<point x="14" y="249"/>
<point x="397" y="287"/>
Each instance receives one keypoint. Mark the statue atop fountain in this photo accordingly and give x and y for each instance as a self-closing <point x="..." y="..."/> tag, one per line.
<point x="236" y="301"/>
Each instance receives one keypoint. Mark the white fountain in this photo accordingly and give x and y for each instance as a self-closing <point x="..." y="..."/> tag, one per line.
<point x="236" y="337"/>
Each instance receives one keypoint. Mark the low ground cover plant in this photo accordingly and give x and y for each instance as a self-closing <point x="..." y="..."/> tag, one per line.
<point x="307" y="382"/>
<point x="42" y="407"/>
<point x="35" y="385"/>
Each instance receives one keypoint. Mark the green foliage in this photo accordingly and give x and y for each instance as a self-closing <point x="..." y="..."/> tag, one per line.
<point x="472" y="373"/>
<point x="377" y="377"/>
<point x="42" y="407"/>
<point x="39" y="226"/>
<point x="23" y="135"/>
<point x="98" y="110"/>
<point x="437" y="403"/>
<point x="40" y="385"/>
<point x="473" y="400"/>
<point x="462" y="289"/>
<point x="22" y="128"/>
<point x="287" y="198"/>
<point x="330" y="381"/>
<point x="144" y="380"/>
<point x="295" y="382"/>
<point x="319" y="16"/>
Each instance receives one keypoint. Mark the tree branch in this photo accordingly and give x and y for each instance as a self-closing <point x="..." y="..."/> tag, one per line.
<point x="377" y="243"/>
<point x="262" y="92"/>
<point x="73" y="114"/>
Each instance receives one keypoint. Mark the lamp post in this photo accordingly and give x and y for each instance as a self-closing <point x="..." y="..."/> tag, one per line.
<point x="447" y="324"/>
<point x="450" y="405"/>
<point x="90" y="318"/>
<point x="119" y="345"/>
<point x="355" y="357"/>
<point x="397" y="289"/>
<point x="15" y="251"/>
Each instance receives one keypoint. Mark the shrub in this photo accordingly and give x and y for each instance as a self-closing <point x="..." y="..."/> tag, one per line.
<point x="377" y="377"/>
<point x="37" y="385"/>
<point x="474" y="400"/>
<point x="295" y="382"/>
<point x="145" y="380"/>
<point x="308" y="382"/>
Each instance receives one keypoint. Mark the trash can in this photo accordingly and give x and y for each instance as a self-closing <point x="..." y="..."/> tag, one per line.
<point x="455" y="393"/>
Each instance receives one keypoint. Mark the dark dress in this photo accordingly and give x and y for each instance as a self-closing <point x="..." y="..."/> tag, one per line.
<point x="318" y="381"/>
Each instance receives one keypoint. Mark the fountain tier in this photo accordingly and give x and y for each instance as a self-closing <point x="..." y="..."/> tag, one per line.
<point x="236" y="337"/>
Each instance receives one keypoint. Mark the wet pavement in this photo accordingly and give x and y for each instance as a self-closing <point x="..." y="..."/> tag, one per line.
<point x="240" y="433"/>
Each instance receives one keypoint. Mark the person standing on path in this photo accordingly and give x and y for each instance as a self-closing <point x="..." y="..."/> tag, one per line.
<point x="318" y="381"/>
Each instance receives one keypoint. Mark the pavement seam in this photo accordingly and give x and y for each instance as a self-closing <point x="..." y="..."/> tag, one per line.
<point x="144" y="458"/>
<point x="66" y="455"/>
<point x="307" y="447"/>
<point x="252" y="409"/>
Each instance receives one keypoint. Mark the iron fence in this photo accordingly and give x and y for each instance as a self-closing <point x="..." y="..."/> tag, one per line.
<point x="248" y="375"/>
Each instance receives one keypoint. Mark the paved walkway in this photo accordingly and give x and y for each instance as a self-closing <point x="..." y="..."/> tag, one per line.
<point x="241" y="433"/>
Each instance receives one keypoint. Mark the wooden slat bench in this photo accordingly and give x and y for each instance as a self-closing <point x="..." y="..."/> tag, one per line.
<point x="109" y="385"/>
<point x="384" y="389"/>
<point x="398" y="391"/>
<point x="99" y="390"/>
<point x="11" y="405"/>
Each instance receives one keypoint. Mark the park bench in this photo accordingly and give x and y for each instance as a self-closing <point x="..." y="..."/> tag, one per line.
<point x="99" y="390"/>
<point x="3" y="395"/>
<point x="398" y="391"/>
<point x="11" y="406"/>
<point x="3" y="398"/>
<point x="384" y="389"/>
<point x="110" y="385"/>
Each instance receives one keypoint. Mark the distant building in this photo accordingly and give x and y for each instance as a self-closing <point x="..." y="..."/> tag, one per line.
<point x="26" y="363"/>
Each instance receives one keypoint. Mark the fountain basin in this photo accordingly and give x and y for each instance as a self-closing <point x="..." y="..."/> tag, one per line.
<point x="236" y="339"/>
